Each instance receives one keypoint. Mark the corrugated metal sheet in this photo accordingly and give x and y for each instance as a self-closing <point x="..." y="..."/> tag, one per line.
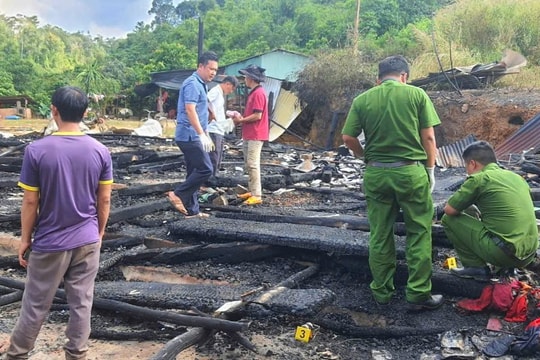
<point x="287" y="110"/>
<point x="450" y="155"/>
<point x="527" y="137"/>
<point x="272" y="87"/>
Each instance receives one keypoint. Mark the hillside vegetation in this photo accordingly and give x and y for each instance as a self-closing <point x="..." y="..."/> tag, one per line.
<point x="37" y="58"/>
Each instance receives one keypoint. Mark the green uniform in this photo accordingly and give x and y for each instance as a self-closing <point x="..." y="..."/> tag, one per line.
<point x="391" y="116"/>
<point x="504" y="200"/>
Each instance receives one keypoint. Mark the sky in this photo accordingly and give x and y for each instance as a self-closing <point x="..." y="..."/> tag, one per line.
<point x="108" y="18"/>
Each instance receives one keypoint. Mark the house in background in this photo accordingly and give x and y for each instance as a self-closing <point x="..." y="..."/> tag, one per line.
<point x="15" y="106"/>
<point x="281" y="67"/>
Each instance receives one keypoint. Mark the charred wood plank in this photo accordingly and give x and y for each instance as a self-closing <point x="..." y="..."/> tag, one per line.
<point x="148" y="314"/>
<point x="319" y="238"/>
<point x="14" y="146"/>
<point x="230" y="253"/>
<point x="378" y="332"/>
<point x="11" y="160"/>
<point x="138" y="210"/>
<point x="145" y="168"/>
<point x="180" y="343"/>
<point x="136" y="335"/>
<point x="10" y="261"/>
<point x="207" y="298"/>
<point x="11" y="298"/>
<point x="8" y="181"/>
<point x="121" y="242"/>
<point x="147" y="189"/>
<point x="329" y="191"/>
<point x="11" y="218"/>
<point x="194" y="336"/>
<point x="109" y="262"/>
<point x="10" y="168"/>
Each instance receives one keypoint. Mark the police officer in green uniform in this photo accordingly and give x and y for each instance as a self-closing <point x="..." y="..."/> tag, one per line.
<point x="400" y="149"/>
<point x="505" y="233"/>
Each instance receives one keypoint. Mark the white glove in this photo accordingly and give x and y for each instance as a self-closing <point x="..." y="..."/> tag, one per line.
<point x="431" y="174"/>
<point x="207" y="143"/>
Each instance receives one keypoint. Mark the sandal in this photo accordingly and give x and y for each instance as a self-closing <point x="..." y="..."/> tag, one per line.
<point x="199" y="215"/>
<point x="244" y="196"/>
<point x="253" y="200"/>
<point x="176" y="202"/>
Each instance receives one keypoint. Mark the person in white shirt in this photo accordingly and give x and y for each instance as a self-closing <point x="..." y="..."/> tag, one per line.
<point x="218" y="126"/>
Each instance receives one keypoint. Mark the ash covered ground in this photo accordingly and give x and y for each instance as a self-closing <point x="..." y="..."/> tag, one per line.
<point x="352" y="326"/>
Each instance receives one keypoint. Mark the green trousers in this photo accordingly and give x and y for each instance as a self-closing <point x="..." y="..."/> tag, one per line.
<point x="473" y="243"/>
<point x="387" y="190"/>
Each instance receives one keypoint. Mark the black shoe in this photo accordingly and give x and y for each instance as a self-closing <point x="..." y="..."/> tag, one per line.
<point x="477" y="273"/>
<point x="432" y="303"/>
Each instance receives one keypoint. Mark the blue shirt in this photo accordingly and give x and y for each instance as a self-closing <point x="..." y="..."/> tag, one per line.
<point x="193" y="91"/>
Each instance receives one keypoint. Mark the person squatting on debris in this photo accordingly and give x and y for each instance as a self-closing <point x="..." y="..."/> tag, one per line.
<point x="502" y="230"/>
<point x="67" y="179"/>
<point x="192" y="138"/>
<point x="397" y="120"/>
<point x="255" y="131"/>
<point x="220" y="125"/>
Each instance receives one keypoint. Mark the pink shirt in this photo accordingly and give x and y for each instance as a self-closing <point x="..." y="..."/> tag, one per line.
<point x="256" y="102"/>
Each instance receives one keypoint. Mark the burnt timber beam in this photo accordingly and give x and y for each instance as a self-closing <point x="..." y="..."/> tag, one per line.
<point x="147" y="314"/>
<point x="140" y="209"/>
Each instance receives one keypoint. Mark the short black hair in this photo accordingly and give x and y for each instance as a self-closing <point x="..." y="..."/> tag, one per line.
<point x="71" y="103"/>
<point x="206" y="57"/>
<point x="396" y="64"/>
<point x="480" y="151"/>
<point x="231" y="80"/>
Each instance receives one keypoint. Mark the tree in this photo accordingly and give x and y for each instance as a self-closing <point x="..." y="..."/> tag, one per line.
<point x="165" y="12"/>
<point x="6" y="84"/>
<point x="91" y="77"/>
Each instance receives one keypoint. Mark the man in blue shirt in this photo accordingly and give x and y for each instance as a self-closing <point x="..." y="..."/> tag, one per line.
<point x="191" y="135"/>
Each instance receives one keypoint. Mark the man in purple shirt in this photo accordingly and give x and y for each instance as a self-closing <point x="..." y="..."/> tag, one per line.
<point x="67" y="180"/>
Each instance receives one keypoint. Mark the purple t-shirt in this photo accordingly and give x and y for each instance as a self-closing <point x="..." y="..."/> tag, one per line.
<point x="66" y="169"/>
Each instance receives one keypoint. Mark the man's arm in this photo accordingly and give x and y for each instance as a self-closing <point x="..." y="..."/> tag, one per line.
<point x="449" y="210"/>
<point x="103" y="207"/>
<point x="354" y="145"/>
<point x="430" y="146"/>
<point x="256" y="116"/>
<point x="29" y="213"/>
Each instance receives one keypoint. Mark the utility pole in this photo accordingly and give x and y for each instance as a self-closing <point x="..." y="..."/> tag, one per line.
<point x="356" y="36"/>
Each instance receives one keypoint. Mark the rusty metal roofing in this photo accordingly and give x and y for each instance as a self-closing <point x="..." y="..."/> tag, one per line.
<point x="526" y="138"/>
<point x="450" y="155"/>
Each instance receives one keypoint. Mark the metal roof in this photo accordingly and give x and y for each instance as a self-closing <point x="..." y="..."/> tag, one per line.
<point x="450" y="155"/>
<point x="526" y="138"/>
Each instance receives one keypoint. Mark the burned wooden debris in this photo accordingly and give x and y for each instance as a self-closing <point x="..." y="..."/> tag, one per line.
<point x="315" y="217"/>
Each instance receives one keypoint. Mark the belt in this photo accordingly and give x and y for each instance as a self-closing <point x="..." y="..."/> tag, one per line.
<point x="391" y="164"/>
<point x="509" y="249"/>
<point x="506" y="247"/>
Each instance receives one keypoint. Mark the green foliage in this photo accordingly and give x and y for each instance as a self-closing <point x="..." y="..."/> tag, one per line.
<point x="6" y="84"/>
<point x="44" y="110"/>
<point x="333" y="78"/>
<point x="90" y="78"/>
<point x="487" y="27"/>
<point x="37" y="59"/>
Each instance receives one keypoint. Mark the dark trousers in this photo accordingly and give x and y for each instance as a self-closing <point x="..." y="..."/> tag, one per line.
<point x="217" y="155"/>
<point x="199" y="169"/>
